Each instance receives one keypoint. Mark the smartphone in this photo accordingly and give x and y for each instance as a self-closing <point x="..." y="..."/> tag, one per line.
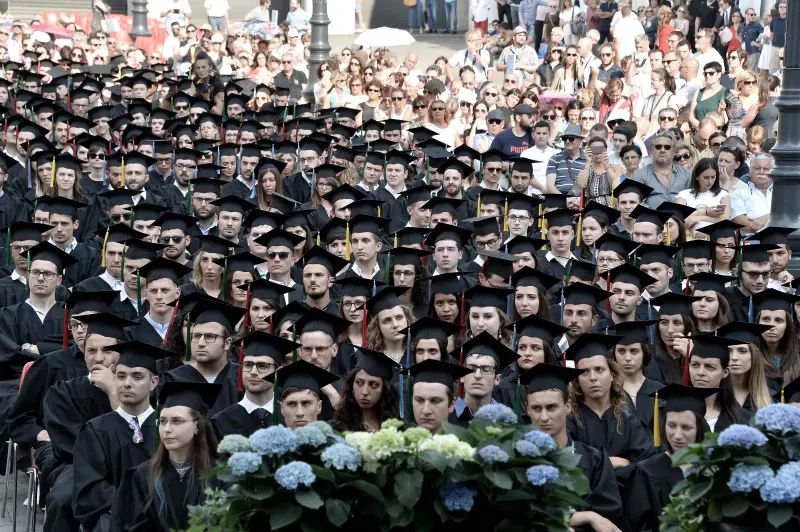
<point x="597" y="150"/>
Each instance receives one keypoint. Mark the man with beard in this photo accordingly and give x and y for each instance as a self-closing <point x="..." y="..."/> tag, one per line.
<point x="242" y="185"/>
<point x="580" y="313"/>
<point x="174" y="234"/>
<point x="205" y="191"/>
<point x="230" y="215"/>
<point x="184" y="170"/>
<point x="454" y="173"/>
<point x="517" y="139"/>
<point x="63" y="214"/>
<point x="318" y="273"/>
<point x="309" y="157"/>
<point x="663" y="168"/>
<point x="754" y="272"/>
<point x="626" y="285"/>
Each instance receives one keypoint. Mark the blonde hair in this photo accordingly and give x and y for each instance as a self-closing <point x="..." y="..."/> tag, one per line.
<point x="197" y="269"/>
<point x="375" y="339"/>
<point x="757" y="379"/>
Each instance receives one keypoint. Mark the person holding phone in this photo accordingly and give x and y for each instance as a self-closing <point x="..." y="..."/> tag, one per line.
<point x="176" y="11"/>
<point x="705" y="194"/>
<point x="598" y="178"/>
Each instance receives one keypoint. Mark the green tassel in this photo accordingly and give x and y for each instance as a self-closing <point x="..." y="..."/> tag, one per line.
<point x="189" y="199"/>
<point x="568" y="273"/>
<point x="27" y="269"/>
<point x="427" y="171"/>
<point x="409" y="412"/>
<point x="275" y="405"/>
<point x="188" y="354"/>
<point x="224" y="280"/>
<point x="518" y="401"/>
<point x="387" y="267"/>
<point x="122" y="266"/>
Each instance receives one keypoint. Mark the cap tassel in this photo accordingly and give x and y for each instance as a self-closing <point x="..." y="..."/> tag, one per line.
<point x="408" y="349"/>
<point x="224" y="290"/>
<point x="387" y="266"/>
<point x="8" y="247"/>
<point x="750" y="312"/>
<point x="608" y="289"/>
<point x="105" y="246"/>
<point x="188" y="353"/>
<point x="783" y="399"/>
<point x="122" y="164"/>
<point x="578" y="232"/>
<point x="514" y="337"/>
<point x="138" y="292"/>
<point x="364" y="329"/>
<point x="275" y="406"/>
<point x="294" y="339"/>
<point x="460" y="381"/>
<point x="463" y="317"/>
<point x="518" y="400"/>
<point x="65" y="332"/>
<point x="347" y="246"/>
<point x="478" y="213"/>
<point x="30" y="173"/>
<point x="53" y="174"/>
<point x="669" y="239"/>
<point x="409" y="411"/>
<point x="402" y="395"/>
<point x="157" y="439"/>
<point x="686" y="366"/>
<point x="247" y="306"/>
<point x="240" y="378"/>
<point x="171" y="318"/>
<point x="427" y="171"/>
<point x="505" y="216"/>
<point x="27" y="269"/>
<point x="656" y="424"/>
<point x="189" y="199"/>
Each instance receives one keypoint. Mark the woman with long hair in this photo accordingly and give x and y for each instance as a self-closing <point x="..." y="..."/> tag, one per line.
<point x="752" y="386"/>
<point x="239" y="271"/>
<point x="373" y="91"/>
<point x="530" y="293"/>
<point x="269" y="181"/>
<point x="355" y="291"/>
<point x="725" y="256"/>
<point x="730" y="160"/>
<point x="570" y="13"/>
<point x="705" y="194"/>
<point x="746" y="85"/>
<point x="406" y="271"/>
<point x="671" y="340"/>
<point x="420" y="107"/>
<point x="594" y="224"/>
<point x="265" y="300"/>
<point x="708" y="368"/>
<point x="613" y="99"/>
<point x="552" y="62"/>
<point x="780" y="342"/>
<point x="480" y="112"/>
<point x="712" y="310"/>
<point x="599" y="177"/>
<point x="441" y="122"/>
<point x="206" y="273"/>
<point x="665" y="27"/>
<point x="387" y="330"/>
<point x="737" y="63"/>
<point x="663" y="96"/>
<point x="764" y="113"/>
<point x="602" y="413"/>
<point x="446" y="298"/>
<point x="368" y="396"/>
<point x="156" y="494"/>
<point x="484" y="313"/>
<point x="322" y="210"/>
<point x="568" y="78"/>
<point x="535" y="337"/>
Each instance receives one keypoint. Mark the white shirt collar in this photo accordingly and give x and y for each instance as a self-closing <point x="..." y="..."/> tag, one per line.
<point x="561" y="260"/>
<point x="113" y="283"/>
<point x="17" y="277"/>
<point x="70" y="248"/>
<point x="250" y="406"/>
<point x="141" y="418"/>
<point x="358" y="271"/>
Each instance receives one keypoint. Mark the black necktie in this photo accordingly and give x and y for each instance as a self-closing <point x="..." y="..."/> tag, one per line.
<point x="261" y="415"/>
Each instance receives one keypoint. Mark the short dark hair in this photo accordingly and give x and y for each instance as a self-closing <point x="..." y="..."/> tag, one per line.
<point x="713" y="65"/>
<point x="541" y="123"/>
<point x="286" y="392"/>
<point x="630" y="148"/>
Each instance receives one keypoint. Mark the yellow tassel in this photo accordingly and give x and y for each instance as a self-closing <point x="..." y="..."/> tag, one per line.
<point x="123" y="172"/>
<point x="669" y="240"/>
<point x="105" y="245"/>
<point x="53" y="174"/>
<point x="580" y="225"/>
<point x="347" y="241"/>
<point x="505" y="216"/>
<point x="541" y="219"/>
<point x="783" y="399"/>
<point x="395" y="241"/>
<point x="479" y="205"/>
<point x="318" y="238"/>
<point x="379" y="211"/>
<point x="656" y="424"/>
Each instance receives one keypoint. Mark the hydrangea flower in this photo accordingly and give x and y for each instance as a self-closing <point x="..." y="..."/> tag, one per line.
<point x="341" y="456"/>
<point x="311" y="435"/>
<point x="539" y="475"/>
<point x="243" y="462"/>
<point x="492" y="453"/>
<point x="496" y="413"/>
<point x="746" y="478"/>
<point x="324" y="427"/>
<point x="392" y="424"/>
<point x="414" y="435"/>
<point x="449" y="445"/>
<point x="233" y="443"/>
<point x="293" y="474"/>
<point x="376" y="446"/>
<point x="542" y="440"/>
<point x="779" y="417"/>
<point x="742" y="436"/>
<point x="785" y="486"/>
<point x="274" y="441"/>
<point x="456" y="497"/>
<point x="526" y="448"/>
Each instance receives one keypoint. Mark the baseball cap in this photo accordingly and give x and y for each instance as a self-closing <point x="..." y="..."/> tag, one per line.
<point x="496" y="114"/>
<point x="524" y="109"/>
<point x="520" y="29"/>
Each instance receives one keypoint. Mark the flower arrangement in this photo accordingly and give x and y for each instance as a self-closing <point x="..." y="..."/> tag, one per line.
<point x="747" y="475"/>
<point x="495" y="474"/>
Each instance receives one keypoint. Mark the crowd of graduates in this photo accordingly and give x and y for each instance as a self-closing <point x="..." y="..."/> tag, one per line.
<point x="182" y="270"/>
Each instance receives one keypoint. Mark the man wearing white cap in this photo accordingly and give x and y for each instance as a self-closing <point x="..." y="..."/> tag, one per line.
<point x="294" y="46"/>
<point x="519" y="56"/>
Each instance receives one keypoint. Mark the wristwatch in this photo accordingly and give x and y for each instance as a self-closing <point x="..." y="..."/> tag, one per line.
<point x="26" y="346"/>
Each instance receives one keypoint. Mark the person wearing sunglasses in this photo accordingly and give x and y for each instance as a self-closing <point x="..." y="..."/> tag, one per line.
<point x="746" y="85"/>
<point x="523" y="57"/>
<point x="714" y="97"/>
<point x="751" y="30"/>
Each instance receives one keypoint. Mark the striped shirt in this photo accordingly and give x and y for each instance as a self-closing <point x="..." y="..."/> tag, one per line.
<point x="566" y="169"/>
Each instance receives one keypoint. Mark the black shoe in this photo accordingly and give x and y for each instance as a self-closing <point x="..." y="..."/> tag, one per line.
<point x="434" y="31"/>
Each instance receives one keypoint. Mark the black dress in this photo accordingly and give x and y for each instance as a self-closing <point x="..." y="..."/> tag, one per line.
<point x="644" y="403"/>
<point x="603" y="497"/>
<point x="227" y="377"/>
<point x="648" y="491"/>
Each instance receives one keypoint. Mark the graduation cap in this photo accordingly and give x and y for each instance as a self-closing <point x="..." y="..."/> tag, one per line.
<point x="332" y="263"/>
<point x="376" y="364"/>
<point x="591" y="345"/>
<point x="651" y="253"/>
<point x="743" y="332"/>
<point x="497" y="263"/>
<point x="371" y="124"/>
<point x="723" y="229"/>
<point x="105" y="324"/>
<point x="523" y="202"/>
<point x="485" y="344"/>
<point x="610" y="242"/>
<point x="454" y="164"/>
<point x="346" y="112"/>
<point x="756" y="252"/>
<point x="678" y="398"/>
<point x="676" y="210"/>
<point x="234" y="204"/>
<point x="162" y="268"/>
<point x="697" y="249"/>
<point x="584" y="294"/>
<point x="239" y="262"/>
<point x="410" y="236"/>
<point x="304" y="376"/>
<point x="446" y="283"/>
<point x="382" y="145"/>
<point x="266" y="290"/>
<point x="771" y="299"/>
<point x="259" y="344"/>
<point x="388" y="297"/>
<point x="631" y="332"/>
<point x="543" y="377"/>
<point x="118" y="233"/>
<point x="522" y="165"/>
<point x="535" y="327"/>
<point x="362" y="223"/>
<point x="169" y="221"/>
<point x="711" y="346"/>
<point x="773" y="235"/>
<point x="314" y="320"/>
<point x="134" y="157"/>
<point x="528" y="276"/>
<point x="403" y="158"/>
<point x="444" y="231"/>
<point x="343" y="152"/>
<point x="119" y="196"/>
<point x="524" y="244"/>
<point x="215" y="311"/>
<point x="19" y="231"/>
<point x="80" y="301"/>
<point x="645" y="214"/>
<point x="486" y="296"/>
<point x="706" y="281"/>
<point x="215" y="244"/>
<point x="147" y="211"/>
<point x="582" y="270"/>
<point x="555" y="201"/>
<point x="601" y="212"/>
<point x="436" y="371"/>
<point x="417" y="194"/>
<point x="279" y="238"/>
<point x="559" y="217"/>
<point x="199" y="396"/>
<point x="427" y="328"/>
<point x="137" y="354"/>
<point x="370" y="207"/>
<point x="441" y="204"/>
<point x="789" y="393"/>
<point x="670" y="304"/>
<point x="335" y="229"/>
<point x="48" y="252"/>
<point x="407" y="256"/>
<point x="626" y="273"/>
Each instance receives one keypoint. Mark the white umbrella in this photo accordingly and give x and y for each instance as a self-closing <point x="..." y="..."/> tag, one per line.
<point x="384" y="37"/>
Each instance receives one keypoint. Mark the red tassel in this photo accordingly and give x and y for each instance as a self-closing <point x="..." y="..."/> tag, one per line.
<point x="686" y="367"/>
<point x="64" y="341"/>
<point x="271" y="325"/>
<point x="247" y="306"/>
<point x="423" y="260"/>
<point x="364" y="329"/>
<point x="171" y="319"/>
<point x="240" y="380"/>
<point x="461" y="382"/>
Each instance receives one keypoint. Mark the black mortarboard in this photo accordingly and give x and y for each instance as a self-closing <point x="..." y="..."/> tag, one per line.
<point x="206" y="185"/>
<point x="610" y="242"/>
<point x="170" y="220"/>
<point x="20" y="231"/>
<point x="650" y="253"/>
<point x="723" y="229"/>
<point x="257" y="217"/>
<point x="626" y="273"/>
<point x="706" y="281"/>
<point x="259" y="344"/>
<point x="400" y="157"/>
<point x="279" y="238"/>
<point x="134" y="157"/>
<point x="676" y="210"/>
<point x="427" y="328"/>
<point x="435" y="371"/>
<point x="368" y="224"/>
<point x="483" y="225"/>
<point x="555" y="201"/>
<point x="493" y="197"/>
<point x="543" y="377"/>
<point x="332" y="263"/>
<point x="444" y="231"/>
<point x="417" y="194"/>
<point x="136" y="248"/>
<point x="523" y="165"/>
<point x="711" y="346"/>
<point x="583" y="270"/>
<point x="756" y="252"/>
<point x="671" y="304"/>
<point x="345" y="192"/>
<point x="773" y="235"/>
<point x="199" y="396"/>
<point x="215" y="311"/>
<point x="147" y="211"/>
<point x="454" y="164"/>
<point x="119" y="233"/>
<point x="137" y="354"/>
<point x="215" y="244"/>
<point x="601" y="212"/>
<point x="771" y="299"/>
<point x="335" y="229"/>
<point x="789" y="393"/>
<point x="376" y="364"/>
<point x="162" y="268"/>
<point x="304" y="376"/>
<point x="312" y="145"/>
<point x="524" y="244"/>
<point x="743" y="332"/>
<point x="105" y="324"/>
<point x="678" y="398"/>
<point x="317" y="320"/>
<point x="50" y="253"/>
<point x="421" y="133"/>
<point x="356" y="286"/>
<point x="365" y="206"/>
<point x="528" y="276"/>
<point x="535" y="327"/>
<point x="386" y="298"/>
<point x="697" y="249"/>
<point x="266" y="290"/>
<point x="584" y="294"/>
<point x="631" y="332"/>
<point x="343" y="152"/>
<point x="441" y="204"/>
<point x="231" y="203"/>
<point x="559" y="217"/>
<point x="523" y="202"/>
<point x="591" y="345"/>
<point x="407" y="256"/>
<point x="487" y="296"/>
<point x="240" y="262"/>
<point x="411" y="236"/>
<point x="80" y="301"/>
<point x="485" y="344"/>
<point x="346" y="112"/>
<point x="497" y="263"/>
<point x="446" y="283"/>
<point x="645" y="214"/>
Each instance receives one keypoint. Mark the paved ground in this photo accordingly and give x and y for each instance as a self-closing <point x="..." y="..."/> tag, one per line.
<point x="22" y="511"/>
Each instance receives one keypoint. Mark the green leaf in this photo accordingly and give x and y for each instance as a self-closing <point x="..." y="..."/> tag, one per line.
<point x="754" y="460"/>
<point x="308" y="498"/>
<point x="715" y="512"/>
<point x="501" y="479"/>
<point x="697" y="490"/>
<point x="408" y="487"/>
<point x="367" y="488"/>
<point x="259" y="492"/>
<point x="460" y="432"/>
<point x="434" y="460"/>
<point x="323" y="473"/>
<point x="338" y="511"/>
<point x="778" y="514"/>
<point x="393" y="508"/>
<point x="284" y="515"/>
<point x="733" y="507"/>
<point x="516" y="496"/>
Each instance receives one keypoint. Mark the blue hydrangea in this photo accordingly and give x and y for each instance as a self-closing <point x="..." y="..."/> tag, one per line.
<point x="324" y="427"/>
<point x="526" y="448"/>
<point x="456" y="497"/>
<point x="293" y="474"/>
<point x="539" y="475"/>
<point x="341" y="456"/>
<point x="311" y="435"/>
<point x="233" y="443"/>
<point x="779" y="417"/>
<point x="542" y="440"/>
<point x="244" y="462"/>
<point x="785" y="486"/>
<point x="274" y="441"/>
<point x="497" y="413"/>
<point x="492" y="453"/>
<point x="746" y="478"/>
<point x="742" y="436"/>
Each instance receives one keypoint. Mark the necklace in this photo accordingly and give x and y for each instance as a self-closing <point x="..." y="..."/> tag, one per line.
<point x="182" y="467"/>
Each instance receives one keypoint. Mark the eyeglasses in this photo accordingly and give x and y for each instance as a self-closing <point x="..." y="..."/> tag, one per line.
<point x="182" y="166"/>
<point x="308" y="350"/>
<point x="492" y="94"/>
<point x="397" y="98"/>
<point x="569" y="139"/>
<point x="418" y="107"/>
<point x="261" y="367"/>
<point x="586" y="118"/>
<point x="510" y="81"/>
<point x="668" y="118"/>
<point x="749" y="82"/>
<point x="286" y="62"/>
<point x="668" y="61"/>
<point x="755" y="275"/>
<point x="167" y="239"/>
<point x="572" y="55"/>
<point x="77" y="326"/>
<point x="515" y="219"/>
<point x="373" y="89"/>
<point x="682" y="157"/>
<point x="495" y="121"/>
<point x="485" y="370"/>
<point x="709" y="73"/>
<point x="209" y="338"/>
<point x="48" y="276"/>
<point x="716" y="145"/>
<point x="92" y="156"/>
<point x="282" y="255"/>
<point x="662" y="147"/>
<point x="434" y="109"/>
<point x="549" y="117"/>
<point x="606" y="55"/>
<point x="466" y="104"/>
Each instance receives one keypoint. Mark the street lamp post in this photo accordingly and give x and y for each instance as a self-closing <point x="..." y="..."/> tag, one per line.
<point x="786" y="171"/>
<point x="139" y="24"/>
<point x="320" y="47"/>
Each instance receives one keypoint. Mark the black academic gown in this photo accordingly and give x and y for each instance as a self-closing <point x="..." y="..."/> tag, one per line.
<point x="88" y="265"/>
<point x="128" y="309"/>
<point x="723" y="422"/>
<point x="237" y="188"/>
<point x="644" y="403"/>
<point x="740" y="304"/>
<point x="144" y="332"/>
<point x="93" y="284"/>
<point x="13" y="208"/>
<point x="603" y="497"/>
<point x="21" y="325"/>
<point x="13" y="291"/>
<point x="648" y="491"/>
<point x="175" y="199"/>
<point x="297" y="188"/>
<point x="236" y="420"/>
<point x="229" y="395"/>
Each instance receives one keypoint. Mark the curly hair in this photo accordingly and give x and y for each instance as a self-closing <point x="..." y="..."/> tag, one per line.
<point x="619" y="399"/>
<point x="418" y="291"/>
<point x="374" y="336"/>
<point x="347" y="415"/>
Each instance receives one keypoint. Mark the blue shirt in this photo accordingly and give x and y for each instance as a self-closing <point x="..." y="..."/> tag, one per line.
<point x="778" y="28"/>
<point x="510" y="144"/>
<point x="298" y="19"/>
<point x="461" y="405"/>
<point x="750" y="33"/>
<point x="604" y="24"/>
<point x="161" y="328"/>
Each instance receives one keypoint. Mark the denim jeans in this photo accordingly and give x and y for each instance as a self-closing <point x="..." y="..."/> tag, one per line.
<point x="451" y="14"/>
<point x="416" y="13"/>
<point x="433" y="7"/>
<point x="217" y="23"/>
<point x="515" y="16"/>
